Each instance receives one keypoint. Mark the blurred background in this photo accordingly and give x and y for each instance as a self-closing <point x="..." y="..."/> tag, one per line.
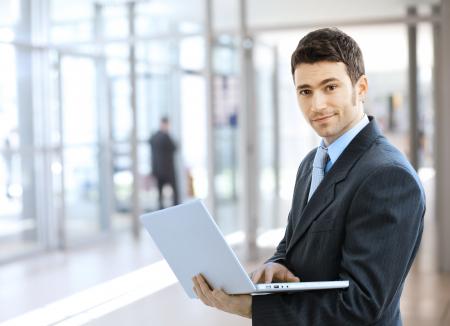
<point x="83" y="85"/>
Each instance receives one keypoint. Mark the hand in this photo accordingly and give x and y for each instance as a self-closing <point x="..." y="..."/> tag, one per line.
<point x="235" y="304"/>
<point x="270" y="272"/>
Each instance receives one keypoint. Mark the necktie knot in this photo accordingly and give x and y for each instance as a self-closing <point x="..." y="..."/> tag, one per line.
<point x="321" y="159"/>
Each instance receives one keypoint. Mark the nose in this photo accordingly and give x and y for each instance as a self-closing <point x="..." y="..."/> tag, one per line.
<point x="318" y="102"/>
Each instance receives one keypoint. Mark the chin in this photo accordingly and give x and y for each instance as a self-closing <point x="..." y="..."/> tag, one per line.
<point x="324" y="132"/>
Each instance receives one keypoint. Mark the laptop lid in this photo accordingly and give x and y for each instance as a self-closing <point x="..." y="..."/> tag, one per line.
<point x="191" y="243"/>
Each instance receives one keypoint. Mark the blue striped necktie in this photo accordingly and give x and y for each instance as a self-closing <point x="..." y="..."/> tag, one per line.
<point x="318" y="172"/>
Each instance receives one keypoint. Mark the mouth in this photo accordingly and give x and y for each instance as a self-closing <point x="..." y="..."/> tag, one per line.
<point x="322" y="118"/>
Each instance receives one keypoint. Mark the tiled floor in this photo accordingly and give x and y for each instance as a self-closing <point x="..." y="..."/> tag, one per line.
<point x="32" y="283"/>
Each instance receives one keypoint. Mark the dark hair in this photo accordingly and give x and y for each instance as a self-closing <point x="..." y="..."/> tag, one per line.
<point x="165" y="120"/>
<point x="330" y="44"/>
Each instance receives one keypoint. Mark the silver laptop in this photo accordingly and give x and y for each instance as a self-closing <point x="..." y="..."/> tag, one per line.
<point x="191" y="243"/>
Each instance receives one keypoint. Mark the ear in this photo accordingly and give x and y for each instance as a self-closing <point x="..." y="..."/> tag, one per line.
<point x="362" y="86"/>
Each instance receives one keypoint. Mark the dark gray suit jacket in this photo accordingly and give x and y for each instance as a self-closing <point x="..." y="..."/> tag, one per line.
<point x="163" y="151"/>
<point x="363" y="224"/>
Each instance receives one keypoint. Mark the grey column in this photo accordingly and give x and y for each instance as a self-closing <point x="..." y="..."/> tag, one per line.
<point x="43" y="158"/>
<point x="247" y="121"/>
<point x="413" y="91"/>
<point x="24" y="70"/>
<point x="104" y="164"/>
<point x="210" y="95"/>
<point x="61" y="200"/>
<point x="135" y="205"/>
<point x="276" y="138"/>
<point x="442" y="135"/>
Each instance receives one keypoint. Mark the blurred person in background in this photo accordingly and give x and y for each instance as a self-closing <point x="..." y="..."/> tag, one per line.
<point x="163" y="150"/>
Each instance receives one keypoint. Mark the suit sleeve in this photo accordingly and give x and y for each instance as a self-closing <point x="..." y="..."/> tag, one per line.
<point x="280" y="253"/>
<point x="383" y="229"/>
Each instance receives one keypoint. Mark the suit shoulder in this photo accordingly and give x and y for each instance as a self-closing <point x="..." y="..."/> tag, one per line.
<point x="383" y="153"/>
<point x="382" y="157"/>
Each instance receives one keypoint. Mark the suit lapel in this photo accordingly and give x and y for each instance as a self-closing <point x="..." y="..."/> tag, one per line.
<point x="325" y="192"/>
<point x="304" y="183"/>
<point x="321" y="199"/>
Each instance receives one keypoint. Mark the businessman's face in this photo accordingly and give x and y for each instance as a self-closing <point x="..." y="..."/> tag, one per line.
<point x="327" y="98"/>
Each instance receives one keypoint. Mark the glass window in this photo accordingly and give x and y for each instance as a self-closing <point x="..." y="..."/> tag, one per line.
<point x="9" y="12"/>
<point x="115" y="22"/>
<point x="192" y="53"/>
<point x="152" y="18"/>
<point x="264" y="88"/>
<point x="18" y="223"/>
<point x="169" y="17"/>
<point x="80" y="140"/>
<point x="71" y="21"/>
<point x="387" y="71"/>
<point x="193" y="134"/>
<point x="157" y="53"/>
<point x="425" y="58"/>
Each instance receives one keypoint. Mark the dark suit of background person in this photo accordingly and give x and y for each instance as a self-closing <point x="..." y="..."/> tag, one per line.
<point x="163" y="166"/>
<point x="363" y="224"/>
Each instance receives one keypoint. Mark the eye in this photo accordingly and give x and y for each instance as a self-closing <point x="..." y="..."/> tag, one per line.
<point x="331" y="87"/>
<point x="305" y="92"/>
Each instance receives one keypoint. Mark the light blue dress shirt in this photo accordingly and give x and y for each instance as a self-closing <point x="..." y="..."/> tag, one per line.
<point x="339" y="145"/>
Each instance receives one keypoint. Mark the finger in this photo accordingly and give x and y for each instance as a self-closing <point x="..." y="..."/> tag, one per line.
<point x="204" y="283"/>
<point x="290" y="277"/>
<point x="199" y="292"/>
<point x="256" y="275"/>
<point x="220" y="298"/>
<point x="205" y="288"/>
<point x="268" y="275"/>
<point x="220" y="294"/>
<point x="195" y="291"/>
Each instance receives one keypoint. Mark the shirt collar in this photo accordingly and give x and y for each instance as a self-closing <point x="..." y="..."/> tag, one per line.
<point x="338" y="146"/>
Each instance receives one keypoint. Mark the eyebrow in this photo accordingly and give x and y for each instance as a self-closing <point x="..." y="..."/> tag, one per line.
<point x="323" y="82"/>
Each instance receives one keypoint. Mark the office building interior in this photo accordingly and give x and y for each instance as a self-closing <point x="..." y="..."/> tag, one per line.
<point x="84" y="84"/>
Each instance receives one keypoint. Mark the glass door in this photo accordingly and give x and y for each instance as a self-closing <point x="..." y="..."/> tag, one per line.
<point x="80" y="149"/>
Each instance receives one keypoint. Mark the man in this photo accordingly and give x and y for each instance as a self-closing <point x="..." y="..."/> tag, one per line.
<point x="163" y="168"/>
<point x="357" y="210"/>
